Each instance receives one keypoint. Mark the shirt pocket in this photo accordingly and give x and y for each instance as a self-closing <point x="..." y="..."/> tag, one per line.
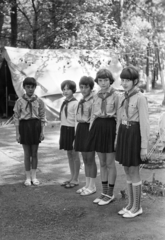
<point x="87" y="110"/>
<point x="132" y="109"/>
<point x="96" y="107"/>
<point x="110" y="107"/>
<point x="35" y="107"/>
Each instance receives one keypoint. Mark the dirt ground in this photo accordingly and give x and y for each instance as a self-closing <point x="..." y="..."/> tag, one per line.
<point x="51" y="212"/>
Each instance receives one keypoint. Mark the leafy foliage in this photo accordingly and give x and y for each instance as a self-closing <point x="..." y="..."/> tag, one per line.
<point x="129" y="27"/>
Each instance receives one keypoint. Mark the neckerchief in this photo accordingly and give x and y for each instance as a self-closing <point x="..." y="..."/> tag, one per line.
<point x="29" y="102"/>
<point x="65" y="103"/>
<point x="104" y="102"/>
<point x="126" y="99"/>
<point x="81" y="104"/>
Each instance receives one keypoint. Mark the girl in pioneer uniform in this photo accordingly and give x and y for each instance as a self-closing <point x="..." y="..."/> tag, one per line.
<point x="132" y="138"/>
<point x="30" y="119"/>
<point x="67" y="131"/>
<point x="83" y="115"/>
<point x="103" y="132"/>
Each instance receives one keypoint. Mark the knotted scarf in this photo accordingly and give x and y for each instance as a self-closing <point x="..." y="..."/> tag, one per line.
<point x="104" y="97"/>
<point x="126" y="99"/>
<point x="29" y="103"/>
<point x="65" y="103"/>
<point x="81" y="104"/>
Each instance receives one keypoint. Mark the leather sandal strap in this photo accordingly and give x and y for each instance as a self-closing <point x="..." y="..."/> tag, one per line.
<point x="108" y="196"/>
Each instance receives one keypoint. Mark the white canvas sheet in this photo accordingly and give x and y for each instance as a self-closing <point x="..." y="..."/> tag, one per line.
<point x="51" y="67"/>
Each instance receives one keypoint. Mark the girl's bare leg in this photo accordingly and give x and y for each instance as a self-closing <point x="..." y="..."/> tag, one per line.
<point x="76" y="161"/>
<point x="71" y="164"/>
<point x="27" y="155"/>
<point x="34" y="150"/>
<point x="111" y="166"/>
<point x="103" y="172"/>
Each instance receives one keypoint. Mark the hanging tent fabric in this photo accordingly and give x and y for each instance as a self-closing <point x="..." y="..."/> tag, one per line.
<point x="51" y="67"/>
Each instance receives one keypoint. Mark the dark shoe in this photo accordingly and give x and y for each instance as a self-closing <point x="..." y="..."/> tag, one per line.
<point x="65" y="183"/>
<point x="71" y="185"/>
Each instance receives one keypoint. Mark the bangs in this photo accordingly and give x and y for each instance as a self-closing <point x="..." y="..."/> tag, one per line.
<point x="104" y="73"/>
<point x="130" y="73"/>
<point x="87" y="81"/>
<point x="70" y="85"/>
<point x="30" y="81"/>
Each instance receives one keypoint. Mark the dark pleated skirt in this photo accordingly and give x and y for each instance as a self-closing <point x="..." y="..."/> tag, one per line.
<point x="82" y="133"/>
<point x="129" y="145"/>
<point x="30" y="131"/>
<point x="102" y="135"/>
<point x="67" y="136"/>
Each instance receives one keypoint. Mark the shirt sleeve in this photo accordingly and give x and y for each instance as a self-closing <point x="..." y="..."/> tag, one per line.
<point x="118" y="112"/>
<point x="75" y="112"/>
<point x="92" y="117"/>
<point x="17" y="112"/>
<point x="42" y="112"/>
<point x="144" y="120"/>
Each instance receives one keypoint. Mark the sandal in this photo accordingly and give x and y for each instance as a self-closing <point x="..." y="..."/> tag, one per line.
<point x="71" y="185"/>
<point x="27" y="182"/>
<point x="35" y="182"/>
<point x="81" y="190"/>
<point x="65" y="183"/>
<point x="88" y="192"/>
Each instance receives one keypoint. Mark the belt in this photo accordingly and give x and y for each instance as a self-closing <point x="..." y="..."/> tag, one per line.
<point x="129" y="123"/>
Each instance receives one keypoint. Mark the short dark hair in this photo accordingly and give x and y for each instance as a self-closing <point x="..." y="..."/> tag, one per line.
<point x="104" y="73"/>
<point x="29" y="81"/>
<point x="71" y="85"/>
<point x="87" y="81"/>
<point x="130" y="73"/>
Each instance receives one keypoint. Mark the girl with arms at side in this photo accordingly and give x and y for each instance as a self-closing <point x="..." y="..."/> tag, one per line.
<point x="103" y="132"/>
<point x="30" y="119"/>
<point x="67" y="131"/>
<point x="132" y="139"/>
<point x="86" y="85"/>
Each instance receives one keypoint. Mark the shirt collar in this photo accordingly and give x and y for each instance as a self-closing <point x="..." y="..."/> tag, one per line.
<point x="132" y="90"/>
<point x="108" y="91"/>
<point x="69" y="99"/>
<point x="29" y="98"/>
<point x="87" y="98"/>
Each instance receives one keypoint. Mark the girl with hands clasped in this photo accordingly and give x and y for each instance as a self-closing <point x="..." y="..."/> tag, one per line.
<point x="132" y="138"/>
<point x="30" y="119"/>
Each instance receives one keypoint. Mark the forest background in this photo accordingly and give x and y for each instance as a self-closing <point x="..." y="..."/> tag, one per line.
<point x="133" y="29"/>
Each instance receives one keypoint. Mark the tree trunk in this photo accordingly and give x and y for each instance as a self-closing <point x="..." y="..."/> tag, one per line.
<point x="153" y="78"/>
<point x="35" y="24"/>
<point x="13" y="23"/>
<point x="162" y="81"/>
<point x="161" y="74"/>
<point x="147" y="71"/>
<point x="1" y="17"/>
<point x="116" y="13"/>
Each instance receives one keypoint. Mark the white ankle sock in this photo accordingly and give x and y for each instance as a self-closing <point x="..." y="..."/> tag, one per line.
<point x="33" y="173"/>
